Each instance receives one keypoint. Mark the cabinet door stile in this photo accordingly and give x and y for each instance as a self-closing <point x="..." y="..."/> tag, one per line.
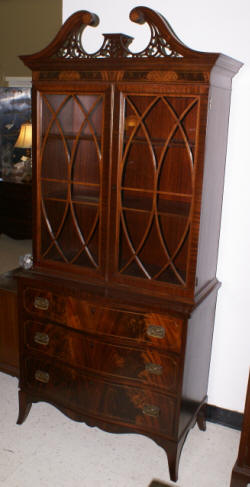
<point x="117" y="134"/>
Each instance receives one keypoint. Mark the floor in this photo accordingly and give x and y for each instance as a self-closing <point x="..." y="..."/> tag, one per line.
<point x="50" y="450"/>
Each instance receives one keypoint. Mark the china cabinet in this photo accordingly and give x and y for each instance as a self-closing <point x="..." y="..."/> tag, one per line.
<point x="116" y="314"/>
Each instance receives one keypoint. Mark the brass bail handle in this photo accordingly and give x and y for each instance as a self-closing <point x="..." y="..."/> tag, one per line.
<point x="151" y="410"/>
<point x="156" y="331"/>
<point x="41" y="303"/>
<point x="41" y="338"/>
<point x="42" y="376"/>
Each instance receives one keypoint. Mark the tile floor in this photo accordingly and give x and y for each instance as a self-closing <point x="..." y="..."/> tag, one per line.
<point x="50" y="450"/>
<point x="10" y="252"/>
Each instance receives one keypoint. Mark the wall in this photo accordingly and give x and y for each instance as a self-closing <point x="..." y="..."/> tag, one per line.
<point x="26" y="26"/>
<point x="211" y="26"/>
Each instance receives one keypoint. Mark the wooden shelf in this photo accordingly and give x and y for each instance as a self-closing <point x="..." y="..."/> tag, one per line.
<point x="158" y="142"/>
<point x="73" y="136"/>
<point x="89" y="200"/>
<point x="185" y="197"/>
<point x="81" y="194"/>
<point x="182" y="213"/>
<point x="126" y="138"/>
<point x="167" y="203"/>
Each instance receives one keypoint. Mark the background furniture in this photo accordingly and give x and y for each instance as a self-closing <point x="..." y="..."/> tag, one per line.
<point x="241" y="470"/>
<point x="117" y="314"/>
<point x="15" y="208"/>
<point x="9" y="353"/>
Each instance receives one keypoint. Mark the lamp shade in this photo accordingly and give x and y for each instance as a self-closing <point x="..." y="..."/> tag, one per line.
<point x="24" y="140"/>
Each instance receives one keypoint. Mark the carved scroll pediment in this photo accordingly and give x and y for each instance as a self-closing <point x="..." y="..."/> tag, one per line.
<point x="116" y="46"/>
<point x="68" y="46"/>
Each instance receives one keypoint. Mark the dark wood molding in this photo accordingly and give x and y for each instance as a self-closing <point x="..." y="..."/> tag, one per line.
<point x="241" y="470"/>
<point x="225" y="417"/>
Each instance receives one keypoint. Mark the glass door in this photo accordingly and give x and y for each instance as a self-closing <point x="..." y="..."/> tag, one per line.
<point x="71" y="157"/>
<point x="155" y="180"/>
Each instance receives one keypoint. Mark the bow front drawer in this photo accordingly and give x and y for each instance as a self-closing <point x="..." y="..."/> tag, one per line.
<point x="162" y="331"/>
<point x="145" y="365"/>
<point x="131" y="406"/>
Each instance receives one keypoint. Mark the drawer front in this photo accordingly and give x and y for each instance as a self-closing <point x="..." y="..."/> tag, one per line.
<point x="125" y="405"/>
<point x="45" y="304"/>
<point x="145" y="365"/>
<point x="150" y="328"/>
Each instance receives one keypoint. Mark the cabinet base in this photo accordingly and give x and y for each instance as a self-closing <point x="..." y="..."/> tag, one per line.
<point x="172" y="448"/>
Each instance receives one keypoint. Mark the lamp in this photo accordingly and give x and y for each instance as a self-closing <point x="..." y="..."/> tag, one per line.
<point x="24" y="140"/>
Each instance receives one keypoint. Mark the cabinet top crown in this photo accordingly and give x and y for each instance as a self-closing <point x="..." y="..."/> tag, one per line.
<point x="164" y="49"/>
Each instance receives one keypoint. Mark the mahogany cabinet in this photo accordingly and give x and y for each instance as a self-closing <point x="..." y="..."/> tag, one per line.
<point x="116" y="314"/>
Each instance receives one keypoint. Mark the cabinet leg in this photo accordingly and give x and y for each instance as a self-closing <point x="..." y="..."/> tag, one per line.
<point x="201" y="418"/>
<point x="24" y="407"/>
<point x="173" y="454"/>
<point x="237" y="482"/>
<point x="239" y="479"/>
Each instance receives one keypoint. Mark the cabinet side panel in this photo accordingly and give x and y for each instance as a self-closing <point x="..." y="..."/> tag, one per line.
<point x="197" y="359"/>
<point x="213" y="182"/>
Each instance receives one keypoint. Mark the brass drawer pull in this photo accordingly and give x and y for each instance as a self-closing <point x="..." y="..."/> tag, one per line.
<point x="154" y="369"/>
<point x="41" y="303"/>
<point x="42" y="376"/>
<point x="151" y="410"/>
<point x="41" y="338"/>
<point x="156" y="331"/>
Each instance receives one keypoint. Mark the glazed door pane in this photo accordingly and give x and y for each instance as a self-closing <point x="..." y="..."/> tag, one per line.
<point x="70" y="161"/>
<point x="155" y="187"/>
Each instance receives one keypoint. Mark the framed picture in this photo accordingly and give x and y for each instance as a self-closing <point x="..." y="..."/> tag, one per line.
<point x="15" y="109"/>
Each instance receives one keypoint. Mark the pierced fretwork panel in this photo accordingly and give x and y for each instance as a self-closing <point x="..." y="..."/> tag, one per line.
<point x="156" y="186"/>
<point x="70" y="170"/>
